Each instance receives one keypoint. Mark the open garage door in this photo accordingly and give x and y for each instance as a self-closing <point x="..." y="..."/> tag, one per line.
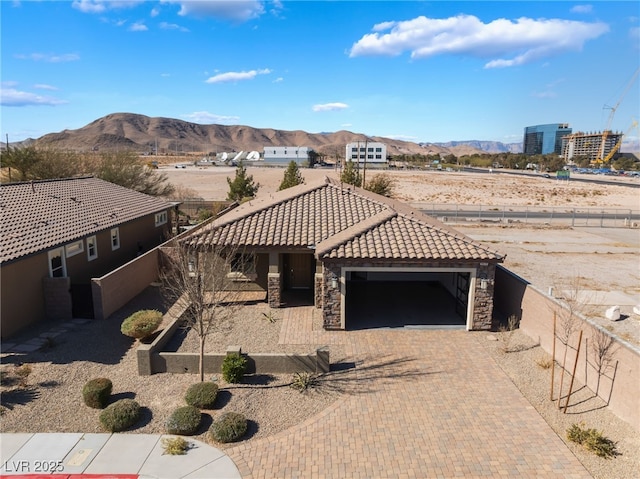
<point x="406" y="299"/>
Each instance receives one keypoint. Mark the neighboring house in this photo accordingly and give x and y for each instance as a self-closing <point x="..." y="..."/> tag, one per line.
<point x="356" y="253"/>
<point x="283" y="155"/>
<point x="371" y="153"/>
<point x="58" y="234"/>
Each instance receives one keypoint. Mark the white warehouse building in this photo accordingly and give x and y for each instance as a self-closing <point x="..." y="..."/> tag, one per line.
<point x="373" y="152"/>
<point x="283" y="155"/>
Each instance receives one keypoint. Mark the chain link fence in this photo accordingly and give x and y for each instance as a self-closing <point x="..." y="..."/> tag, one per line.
<point x="553" y="215"/>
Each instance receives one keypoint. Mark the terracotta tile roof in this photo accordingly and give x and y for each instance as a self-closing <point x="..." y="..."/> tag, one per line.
<point x="44" y="214"/>
<point x="340" y="221"/>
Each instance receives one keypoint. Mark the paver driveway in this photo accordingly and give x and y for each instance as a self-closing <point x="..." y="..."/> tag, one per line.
<point x="418" y="404"/>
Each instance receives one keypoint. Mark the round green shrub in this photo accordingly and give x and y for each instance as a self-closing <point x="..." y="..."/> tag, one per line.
<point x="233" y="368"/>
<point x="202" y="395"/>
<point x="228" y="427"/>
<point x="184" y="421"/>
<point x="96" y="393"/>
<point x="141" y="323"/>
<point x="120" y="415"/>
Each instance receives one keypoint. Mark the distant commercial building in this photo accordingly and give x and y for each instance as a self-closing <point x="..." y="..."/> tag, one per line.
<point x="594" y="146"/>
<point x="283" y="155"/>
<point x="371" y="152"/>
<point x="544" y="139"/>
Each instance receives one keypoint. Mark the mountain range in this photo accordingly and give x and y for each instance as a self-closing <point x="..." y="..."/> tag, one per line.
<point x="172" y="136"/>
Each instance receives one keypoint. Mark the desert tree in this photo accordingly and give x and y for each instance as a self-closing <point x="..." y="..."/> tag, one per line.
<point x="125" y="168"/>
<point x="381" y="184"/>
<point x="22" y="160"/>
<point x="242" y="187"/>
<point x="57" y="163"/>
<point x="292" y="176"/>
<point x="201" y="282"/>
<point x="351" y="174"/>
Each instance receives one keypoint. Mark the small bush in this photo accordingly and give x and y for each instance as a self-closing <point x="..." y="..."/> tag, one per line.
<point x="175" y="446"/>
<point x="120" y="415"/>
<point x="228" y="427"/>
<point x="184" y="421"/>
<point x="544" y="361"/>
<point x="96" y="393"/>
<point x="593" y="440"/>
<point x="303" y="381"/>
<point x="141" y="323"/>
<point x="202" y="395"/>
<point x="233" y="368"/>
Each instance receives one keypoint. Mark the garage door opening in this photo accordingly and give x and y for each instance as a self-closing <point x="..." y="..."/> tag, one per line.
<point x="412" y="300"/>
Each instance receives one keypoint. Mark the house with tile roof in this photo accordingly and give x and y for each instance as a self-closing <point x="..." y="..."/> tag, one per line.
<point x="361" y="258"/>
<point x="58" y="234"/>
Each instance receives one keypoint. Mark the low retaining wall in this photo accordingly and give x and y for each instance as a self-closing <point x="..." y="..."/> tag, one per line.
<point x="152" y="360"/>
<point x="619" y="385"/>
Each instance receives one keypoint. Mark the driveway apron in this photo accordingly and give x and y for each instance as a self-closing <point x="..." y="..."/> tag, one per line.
<point x="417" y="404"/>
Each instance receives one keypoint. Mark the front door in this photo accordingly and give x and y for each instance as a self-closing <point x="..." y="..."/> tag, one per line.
<point x="299" y="271"/>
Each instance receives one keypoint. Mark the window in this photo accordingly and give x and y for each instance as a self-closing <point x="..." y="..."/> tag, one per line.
<point x="378" y="157"/>
<point x="378" y="150"/>
<point x="354" y="149"/>
<point x="92" y="248"/>
<point x="57" y="266"/>
<point x="243" y="267"/>
<point x="370" y="157"/>
<point x="115" y="238"/>
<point x="161" y="218"/>
<point x="370" y="149"/>
<point x="74" y="248"/>
<point x="354" y="156"/>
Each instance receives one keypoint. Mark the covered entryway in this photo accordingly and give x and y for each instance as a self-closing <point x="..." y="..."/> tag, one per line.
<point x="298" y="272"/>
<point x="406" y="298"/>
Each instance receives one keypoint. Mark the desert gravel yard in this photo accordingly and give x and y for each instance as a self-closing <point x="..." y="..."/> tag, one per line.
<point x="52" y="401"/>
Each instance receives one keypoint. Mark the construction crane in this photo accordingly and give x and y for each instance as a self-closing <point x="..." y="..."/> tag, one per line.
<point x="607" y="129"/>
<point x="617" y="146"/>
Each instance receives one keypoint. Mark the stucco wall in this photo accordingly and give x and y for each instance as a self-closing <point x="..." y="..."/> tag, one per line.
<point x="114" y="290"/>
<point x="22" y="298"/>
<point x="536" y="311"/>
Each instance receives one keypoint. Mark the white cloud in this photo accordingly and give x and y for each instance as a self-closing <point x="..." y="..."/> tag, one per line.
<point x="521" y="41"/>
<point x="634" y="33"/>
<point x="172" y="26"/>
<point x="235" y="10"/>
<point x="582" y="9"/>
<point x="42" y="86"/>
<point x="138" y="27"/>
<point x="50" y="58"/>
<point x="237" y="76"/>
<point x="154" y="12"/>
<point x="329" y="106"/>
<point x="101" y="6"/>
<point x="278" y="80"/>
<point x="204" y="117"/>
<point x="13" y="97"/>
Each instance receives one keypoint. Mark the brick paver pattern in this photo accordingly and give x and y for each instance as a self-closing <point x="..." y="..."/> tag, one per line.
<point x="418" y="404"/>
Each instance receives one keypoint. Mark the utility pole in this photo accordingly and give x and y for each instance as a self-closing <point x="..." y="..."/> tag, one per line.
<point x="364" y="169"/>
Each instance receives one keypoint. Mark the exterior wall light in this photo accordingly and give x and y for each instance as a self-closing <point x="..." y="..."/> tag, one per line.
<point x="334" y="283"/>
<point x="483" y="284"/>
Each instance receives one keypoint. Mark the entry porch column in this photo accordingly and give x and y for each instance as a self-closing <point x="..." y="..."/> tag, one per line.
<point x="274" y="281"/>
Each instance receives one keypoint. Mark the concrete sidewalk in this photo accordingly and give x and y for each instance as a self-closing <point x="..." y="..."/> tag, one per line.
<point x="108" y="456"/>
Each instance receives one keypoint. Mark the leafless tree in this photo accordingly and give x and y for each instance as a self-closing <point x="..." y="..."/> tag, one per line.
<point x="602" y="347"/>
<point x="205" y="284"/>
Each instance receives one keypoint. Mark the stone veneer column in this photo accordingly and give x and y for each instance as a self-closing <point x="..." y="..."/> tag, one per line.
<point x="317" y="290"/>
<point x="274" y="290"/>
<point x="483" y="300"/>
<point x="332" y="298"/>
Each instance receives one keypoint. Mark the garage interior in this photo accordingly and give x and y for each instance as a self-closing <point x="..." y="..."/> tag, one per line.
<point x="404" y="299"/>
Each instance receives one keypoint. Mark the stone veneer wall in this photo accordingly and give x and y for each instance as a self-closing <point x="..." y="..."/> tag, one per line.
<point x="483" y="298"/>
<point x="274" y="290"/>
<point x="57" y="298"/>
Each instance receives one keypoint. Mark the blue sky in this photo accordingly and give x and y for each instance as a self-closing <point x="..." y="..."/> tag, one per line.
<point x="418" y="70"/>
